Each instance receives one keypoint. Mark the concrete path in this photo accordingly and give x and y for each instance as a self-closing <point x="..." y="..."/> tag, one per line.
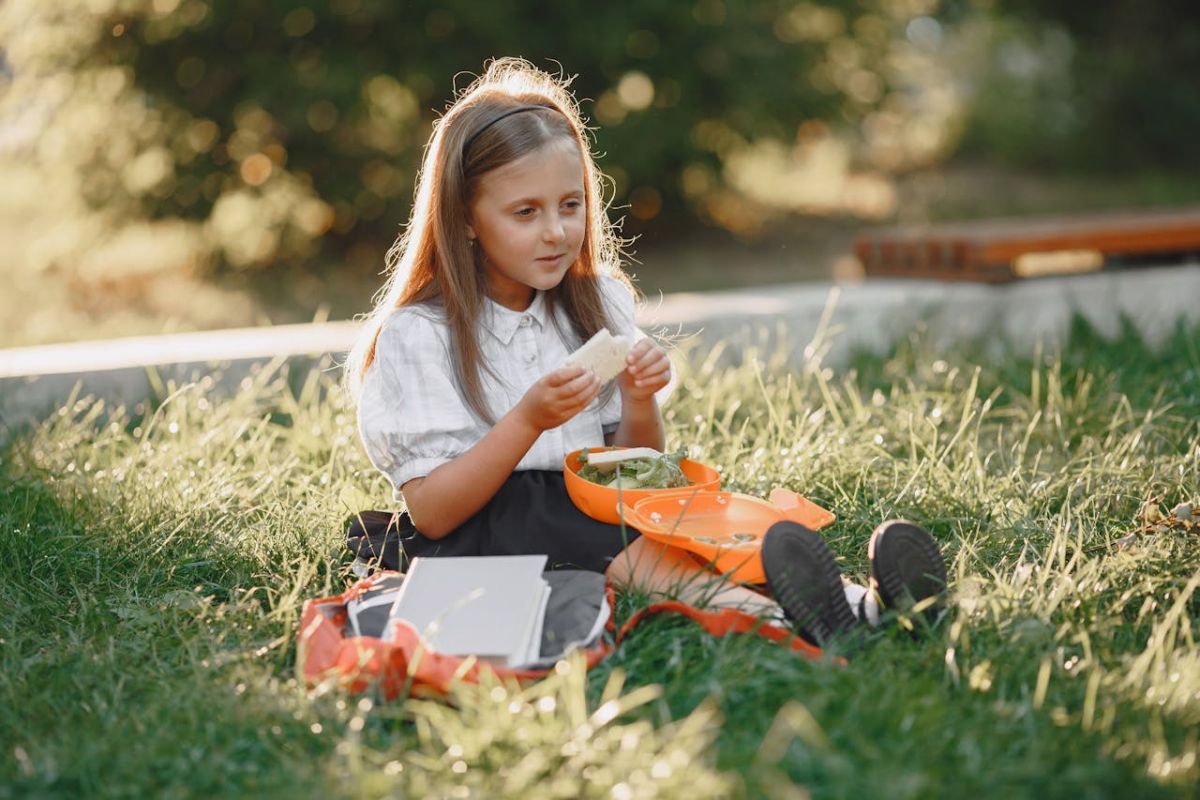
<point x="871" y="315"/>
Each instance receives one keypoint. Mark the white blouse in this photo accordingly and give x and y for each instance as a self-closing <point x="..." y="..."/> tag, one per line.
<point x="412" y="417"/>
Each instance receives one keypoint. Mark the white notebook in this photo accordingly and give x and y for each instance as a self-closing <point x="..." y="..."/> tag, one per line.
<point x="487" y="606"/>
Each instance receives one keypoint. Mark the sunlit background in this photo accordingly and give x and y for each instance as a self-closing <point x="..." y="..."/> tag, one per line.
<point x="187" y="164"/>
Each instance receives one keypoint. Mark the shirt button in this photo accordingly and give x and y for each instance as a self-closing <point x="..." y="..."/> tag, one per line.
<point x="524" y="322"/>
<point x="530" y="358"/>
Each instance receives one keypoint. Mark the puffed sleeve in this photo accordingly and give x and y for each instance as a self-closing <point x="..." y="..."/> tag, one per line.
<point x="620" y="307"/>
<point x="410" y="414"/>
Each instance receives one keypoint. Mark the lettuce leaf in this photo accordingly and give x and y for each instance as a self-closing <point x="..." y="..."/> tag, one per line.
<point x="639" y="473"/>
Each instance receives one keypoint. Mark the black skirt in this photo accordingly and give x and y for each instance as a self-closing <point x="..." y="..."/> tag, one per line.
<point x="531" y="514"/>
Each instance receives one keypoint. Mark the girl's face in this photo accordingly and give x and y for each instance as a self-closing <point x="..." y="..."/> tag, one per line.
<point x="529" y="218"/>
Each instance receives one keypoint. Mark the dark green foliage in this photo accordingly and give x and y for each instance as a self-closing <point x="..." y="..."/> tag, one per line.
<point x="1099" y="87"/>
<point x="342" y="94"/>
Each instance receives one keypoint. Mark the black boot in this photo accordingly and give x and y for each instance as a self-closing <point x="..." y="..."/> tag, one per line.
<point x="906" y="566"/>
<point x="805" y="580"/>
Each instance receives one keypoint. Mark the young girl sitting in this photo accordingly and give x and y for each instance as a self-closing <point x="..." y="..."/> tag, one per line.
<point x="508" y="263"/>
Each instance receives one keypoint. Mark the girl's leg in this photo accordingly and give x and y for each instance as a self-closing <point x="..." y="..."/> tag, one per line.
<point x="906" y="565"/>
<point x="653" y="568"/>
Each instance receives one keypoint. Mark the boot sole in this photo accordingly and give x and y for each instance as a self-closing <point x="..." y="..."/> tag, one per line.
<point x="805" y="580"/>
<point x="906" y="565"/>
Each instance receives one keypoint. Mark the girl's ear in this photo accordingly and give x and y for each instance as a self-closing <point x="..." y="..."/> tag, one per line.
<point x="471" y="233"/>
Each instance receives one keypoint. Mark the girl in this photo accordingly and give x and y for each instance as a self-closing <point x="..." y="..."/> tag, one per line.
<point x="508" y="264"/>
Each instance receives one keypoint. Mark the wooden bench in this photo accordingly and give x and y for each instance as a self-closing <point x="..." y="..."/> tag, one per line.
<point x="1001" y="250"/>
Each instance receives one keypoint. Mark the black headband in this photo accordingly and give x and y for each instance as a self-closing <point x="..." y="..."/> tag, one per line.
<point x="471" y="139"/>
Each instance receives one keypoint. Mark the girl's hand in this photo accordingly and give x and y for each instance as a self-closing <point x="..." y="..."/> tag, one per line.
<point x="648" y="370"/>
<point x="558" y="396"/>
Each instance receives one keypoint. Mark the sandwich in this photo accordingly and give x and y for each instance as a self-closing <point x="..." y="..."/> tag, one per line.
<point x="604" y="354"/>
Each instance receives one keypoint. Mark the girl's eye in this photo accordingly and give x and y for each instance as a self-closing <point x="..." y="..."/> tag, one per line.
<point x="573" y="204"/>
<point x="525" y="212"/>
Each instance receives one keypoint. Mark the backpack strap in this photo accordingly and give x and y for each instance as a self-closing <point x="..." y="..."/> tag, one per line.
<point x="724" y="621"/>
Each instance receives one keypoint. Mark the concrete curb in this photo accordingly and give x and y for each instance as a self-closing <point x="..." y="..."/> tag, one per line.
<point x="873" y="315"/>
<point x="34" y="381"/>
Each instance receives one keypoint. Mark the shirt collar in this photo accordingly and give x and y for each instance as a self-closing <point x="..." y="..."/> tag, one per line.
<point x="503" y="322"/>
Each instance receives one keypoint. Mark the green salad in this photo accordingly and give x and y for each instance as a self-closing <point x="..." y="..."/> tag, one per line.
<point x="637" y="473"/>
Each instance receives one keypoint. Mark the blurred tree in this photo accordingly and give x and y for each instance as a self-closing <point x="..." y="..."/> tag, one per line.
<point x="1079" y="85"/>
<point x="286" y="128"/>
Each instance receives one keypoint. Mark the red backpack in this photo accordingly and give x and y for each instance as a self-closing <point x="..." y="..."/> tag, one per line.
<point x="328" y="648"/>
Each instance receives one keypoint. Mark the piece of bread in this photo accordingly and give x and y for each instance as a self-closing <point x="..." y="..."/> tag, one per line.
<point x="604" y="354"/>
<point x="601" y="458"/>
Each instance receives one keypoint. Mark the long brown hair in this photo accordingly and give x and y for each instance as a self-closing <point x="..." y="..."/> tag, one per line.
<point x="431" y="260"/>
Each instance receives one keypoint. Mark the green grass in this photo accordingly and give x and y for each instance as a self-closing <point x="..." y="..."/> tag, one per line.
<point x="152" y="572"/>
